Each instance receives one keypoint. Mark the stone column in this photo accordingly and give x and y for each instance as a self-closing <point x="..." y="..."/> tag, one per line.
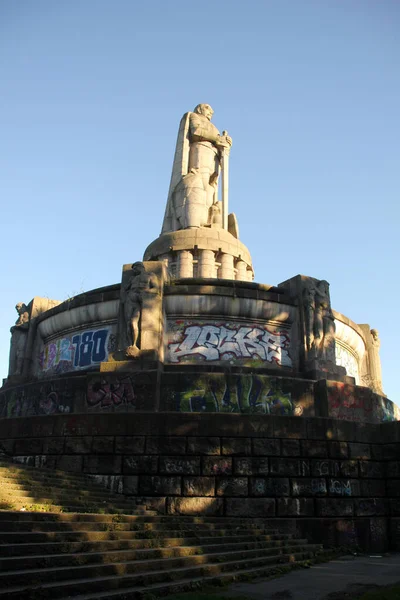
<point x="206" y="264"/>
<point x="241" y="270"/>
<point x="226" y="269"/>
<point x="249" y="275"/>
<point x="185" y="264"/>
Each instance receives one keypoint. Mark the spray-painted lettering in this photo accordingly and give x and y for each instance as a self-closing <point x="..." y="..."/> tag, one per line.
<point x="213" y="342"/>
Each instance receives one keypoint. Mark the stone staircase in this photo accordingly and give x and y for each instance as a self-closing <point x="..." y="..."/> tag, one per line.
<point x="87" y="555"/>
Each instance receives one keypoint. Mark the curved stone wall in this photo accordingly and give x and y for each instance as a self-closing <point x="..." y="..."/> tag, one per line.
<point x="334" y="482"/>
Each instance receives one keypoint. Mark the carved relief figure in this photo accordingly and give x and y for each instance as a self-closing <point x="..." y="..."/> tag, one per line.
<point x="19" y="334"/>
<point x="309" y="314"/>
<point x="375" y="362"/>
<point x="139" y="283"/>
<point x="319" y="321"/>
<point x="194" y="180"/>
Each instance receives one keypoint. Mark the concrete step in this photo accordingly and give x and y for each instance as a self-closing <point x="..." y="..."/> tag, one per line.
<point x="186" y="585"/>
<point x="108" y="525"/>
<point x="35" y="516"/>
<point x="27" y="576"/>
<point x="127" y="575"/>
<point x="90" y="558"/>
<point x="22" y="489"/>
<point x="48" y="548"/>
<point x="15" y="537"/>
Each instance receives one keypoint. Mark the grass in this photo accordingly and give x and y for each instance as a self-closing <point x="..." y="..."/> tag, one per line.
<point x="386" y="593"/>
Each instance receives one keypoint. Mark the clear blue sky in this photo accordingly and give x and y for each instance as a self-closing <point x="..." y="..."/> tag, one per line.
<point x="91" y="93"/>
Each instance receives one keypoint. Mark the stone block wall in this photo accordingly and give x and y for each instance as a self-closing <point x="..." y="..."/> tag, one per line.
<point x="333" y="481"/>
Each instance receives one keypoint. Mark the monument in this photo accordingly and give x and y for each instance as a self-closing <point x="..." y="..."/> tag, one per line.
<point x="194" y="389"/>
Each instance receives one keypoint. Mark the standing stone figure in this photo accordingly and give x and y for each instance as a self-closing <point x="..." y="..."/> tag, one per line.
<point x="319" y="322"/>
<point x="374" y="362"/>
<point x="19" y="335"/>
<point x="194" y="181"/>
<point x="139" y="282"/>
<point x="309" y="314"/>
<point x="324" y="323"/>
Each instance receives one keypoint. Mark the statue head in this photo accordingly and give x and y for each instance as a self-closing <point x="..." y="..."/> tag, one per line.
<point x="21" y="308"/>
<point x="205" y="110"/>
<point x="375" y="334"/>
<point x="138" y="268"/>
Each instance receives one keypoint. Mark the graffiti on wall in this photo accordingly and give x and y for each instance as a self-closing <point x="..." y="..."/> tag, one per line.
<point x="38" y="399"/>
<point x="344" y="358"/>
<point x="82" y="350"/>
<point x="121" y="392"/>
<point x="360" y="404"/>
<point x="218" y="392"/>
<point x="190" y="341"/>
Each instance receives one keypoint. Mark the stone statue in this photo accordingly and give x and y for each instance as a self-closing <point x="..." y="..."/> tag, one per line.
<point x="193" y="189"/>
<point x="19" y="335"/>
<point x="319" y="322"/>
<point x="139" y="283"/>
<point x="374" y="362"/>
<point x="309" y="314"/>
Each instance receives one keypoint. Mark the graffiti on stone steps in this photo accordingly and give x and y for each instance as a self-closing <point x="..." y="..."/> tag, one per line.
<point x="255" y="394"/>
<point x="77" y="351"/>
<point x="236" y="343"/>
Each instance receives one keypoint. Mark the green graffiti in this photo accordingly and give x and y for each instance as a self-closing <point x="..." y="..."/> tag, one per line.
<point x="254" y="394"/>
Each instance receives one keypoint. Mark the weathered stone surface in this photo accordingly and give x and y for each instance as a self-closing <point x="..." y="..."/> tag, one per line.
<point x="78" y="445"/>
<point x="372" y="469"/>
<point x="53" y="445"/>
<point x="250" y="466"/>
<point x="195" y="506"/>
<point x="140" y="464"/>
<point x="130" y="484"/>
<point x="232" y="446"/>
<point x="338" y="449"/>
<point x="204" y="445"/>
<point x="165" y="445"/>
<point x="373" y="487"/>
<point x="159" y="486"/>
<point x="250" y="507"/>
<point x="232" y="486"/>
<point x="217" y="465"/>
<point x="103" y="444"/>
<point x="369" y="507"/>
<point x="70" y="463"/>
<point x="28" y="446"/>
<point x="377" y="452"/>
<point x="288" y="466"/>
<point x="129" y="444"/>
<point x="393" y="488"/>
<point x="393" y="469"/>
<point x="269" y="486"/>
<point x="290" y="447"/>
<point x="314" y="448"/>
<point x="334" y="507"/>
<point x="107" y="463"/>
<point x="295" y="507"/>
<point x="179" y="466"/>
<point x="391" y="451"/>
<point x="266" y="447"/>
<point x="199" y="486"/>
<point x="362" y="451"/>
<point x="305" y="486"/>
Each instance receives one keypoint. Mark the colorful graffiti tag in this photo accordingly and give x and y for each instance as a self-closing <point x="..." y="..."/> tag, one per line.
<point x="39" y="399"/>
<point x="353" y="403"/>
<point x="231" y="393"/>
<point x="190" y="341"/>
<point x="105" y="394"/>
<point x="83" y="350"/>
